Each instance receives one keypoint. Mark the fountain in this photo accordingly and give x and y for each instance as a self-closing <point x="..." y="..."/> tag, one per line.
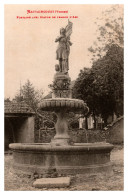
<point x="61" y="155"/>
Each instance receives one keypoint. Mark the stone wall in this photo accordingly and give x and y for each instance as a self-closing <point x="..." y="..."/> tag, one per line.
<point x="116" y="131"/>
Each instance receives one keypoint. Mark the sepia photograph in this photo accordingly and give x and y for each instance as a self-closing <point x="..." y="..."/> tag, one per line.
<point x="63" y="97"/>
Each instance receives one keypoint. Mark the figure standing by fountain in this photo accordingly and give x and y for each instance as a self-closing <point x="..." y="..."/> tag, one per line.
<point x="63" y="50"/>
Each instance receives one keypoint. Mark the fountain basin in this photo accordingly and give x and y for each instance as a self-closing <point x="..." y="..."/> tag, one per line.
<point x="71" y="105"/>
<point x="61" y="107"/>
<point x="68" y="159"/>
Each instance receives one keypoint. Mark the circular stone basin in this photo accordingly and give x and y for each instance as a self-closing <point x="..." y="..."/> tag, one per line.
<point x="54" y="104"/>
<point x="69" y="159"/>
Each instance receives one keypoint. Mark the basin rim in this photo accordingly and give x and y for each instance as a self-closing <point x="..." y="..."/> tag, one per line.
<point x="48" y="147"/>
<point x="53" y="104"/>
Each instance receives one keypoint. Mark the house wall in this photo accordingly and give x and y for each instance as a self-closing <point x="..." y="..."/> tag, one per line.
<point x="24" y="130"/>
<point x="8" y="134"/>
<point x="19" y="130"/>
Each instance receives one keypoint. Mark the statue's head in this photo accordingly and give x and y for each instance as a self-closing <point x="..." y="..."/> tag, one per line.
<point x="62" y="31"/>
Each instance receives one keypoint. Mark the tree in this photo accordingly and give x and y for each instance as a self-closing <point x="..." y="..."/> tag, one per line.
<point x="109" y="81"/>
<point x="7" y="100"/>
<point x="85" y="89"/>
<point x="101" y="86"/>
<point x="32" y="97"/>
<point x="110" y="30"/>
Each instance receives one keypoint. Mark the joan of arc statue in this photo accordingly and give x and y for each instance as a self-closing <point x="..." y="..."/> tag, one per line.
<point x="63" y="49"/>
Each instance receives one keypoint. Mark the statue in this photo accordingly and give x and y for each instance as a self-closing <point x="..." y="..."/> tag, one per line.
<point x="63" y="49"/>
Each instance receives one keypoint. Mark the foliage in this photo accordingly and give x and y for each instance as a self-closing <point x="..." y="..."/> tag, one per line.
<point x="73" y="120"/>
<point x="110" y="30"/>
<point x="32" y="98"/>
<point x="7" y="100"/>
<point x="101" y="86"/>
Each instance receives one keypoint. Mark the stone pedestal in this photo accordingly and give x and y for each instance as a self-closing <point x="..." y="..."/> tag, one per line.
<point x="61" y="87"/>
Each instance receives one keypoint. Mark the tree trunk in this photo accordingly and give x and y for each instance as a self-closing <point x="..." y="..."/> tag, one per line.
<point x="86" y="123"/>
<point x="105" y="121"/>
<point x="94" y="121"/>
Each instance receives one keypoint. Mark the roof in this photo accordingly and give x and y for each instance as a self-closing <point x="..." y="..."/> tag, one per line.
<point x="48" y="96"/>
<point x="17" y="108"/>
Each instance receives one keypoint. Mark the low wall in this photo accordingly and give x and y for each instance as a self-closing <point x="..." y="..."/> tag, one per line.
<point x="113" y="133"/>
<point x="116" y="131"/>
<point x="77" y="136"/>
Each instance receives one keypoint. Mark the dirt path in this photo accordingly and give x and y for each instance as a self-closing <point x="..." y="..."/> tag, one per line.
<point x="80" y="182"/>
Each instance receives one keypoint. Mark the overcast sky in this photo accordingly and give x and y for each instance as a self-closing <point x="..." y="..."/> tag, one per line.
<point x="30" y="48"/>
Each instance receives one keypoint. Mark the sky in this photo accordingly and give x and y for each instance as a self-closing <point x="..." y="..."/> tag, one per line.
<point x="30" y="48"/>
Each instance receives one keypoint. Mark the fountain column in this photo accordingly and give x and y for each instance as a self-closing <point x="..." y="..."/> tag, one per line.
<point x="61" y="90"/>
<point x="61" y="137"/>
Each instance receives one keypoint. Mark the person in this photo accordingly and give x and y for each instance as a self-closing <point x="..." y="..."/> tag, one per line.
<point x="63" y="50"/>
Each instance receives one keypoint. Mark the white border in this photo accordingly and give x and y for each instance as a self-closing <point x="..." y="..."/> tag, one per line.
<point x="63" y="2"/>
<point x="2" y="2"/>
<point x="1" y="97"/>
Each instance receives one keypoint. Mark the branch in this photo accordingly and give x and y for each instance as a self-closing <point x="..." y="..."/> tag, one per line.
<point x="74" y="119"/>
<point x="44" y="117"/>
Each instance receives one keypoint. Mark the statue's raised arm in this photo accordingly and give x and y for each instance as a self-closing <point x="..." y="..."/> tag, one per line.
<point x="68" y="29"/>
<point x="63" y="49"/>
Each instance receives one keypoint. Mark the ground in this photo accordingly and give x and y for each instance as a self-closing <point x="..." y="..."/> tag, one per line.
<point x="79" y="182"/>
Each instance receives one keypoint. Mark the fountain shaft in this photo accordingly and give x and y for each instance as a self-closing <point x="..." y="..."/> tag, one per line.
<point x="61" y="126"/>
